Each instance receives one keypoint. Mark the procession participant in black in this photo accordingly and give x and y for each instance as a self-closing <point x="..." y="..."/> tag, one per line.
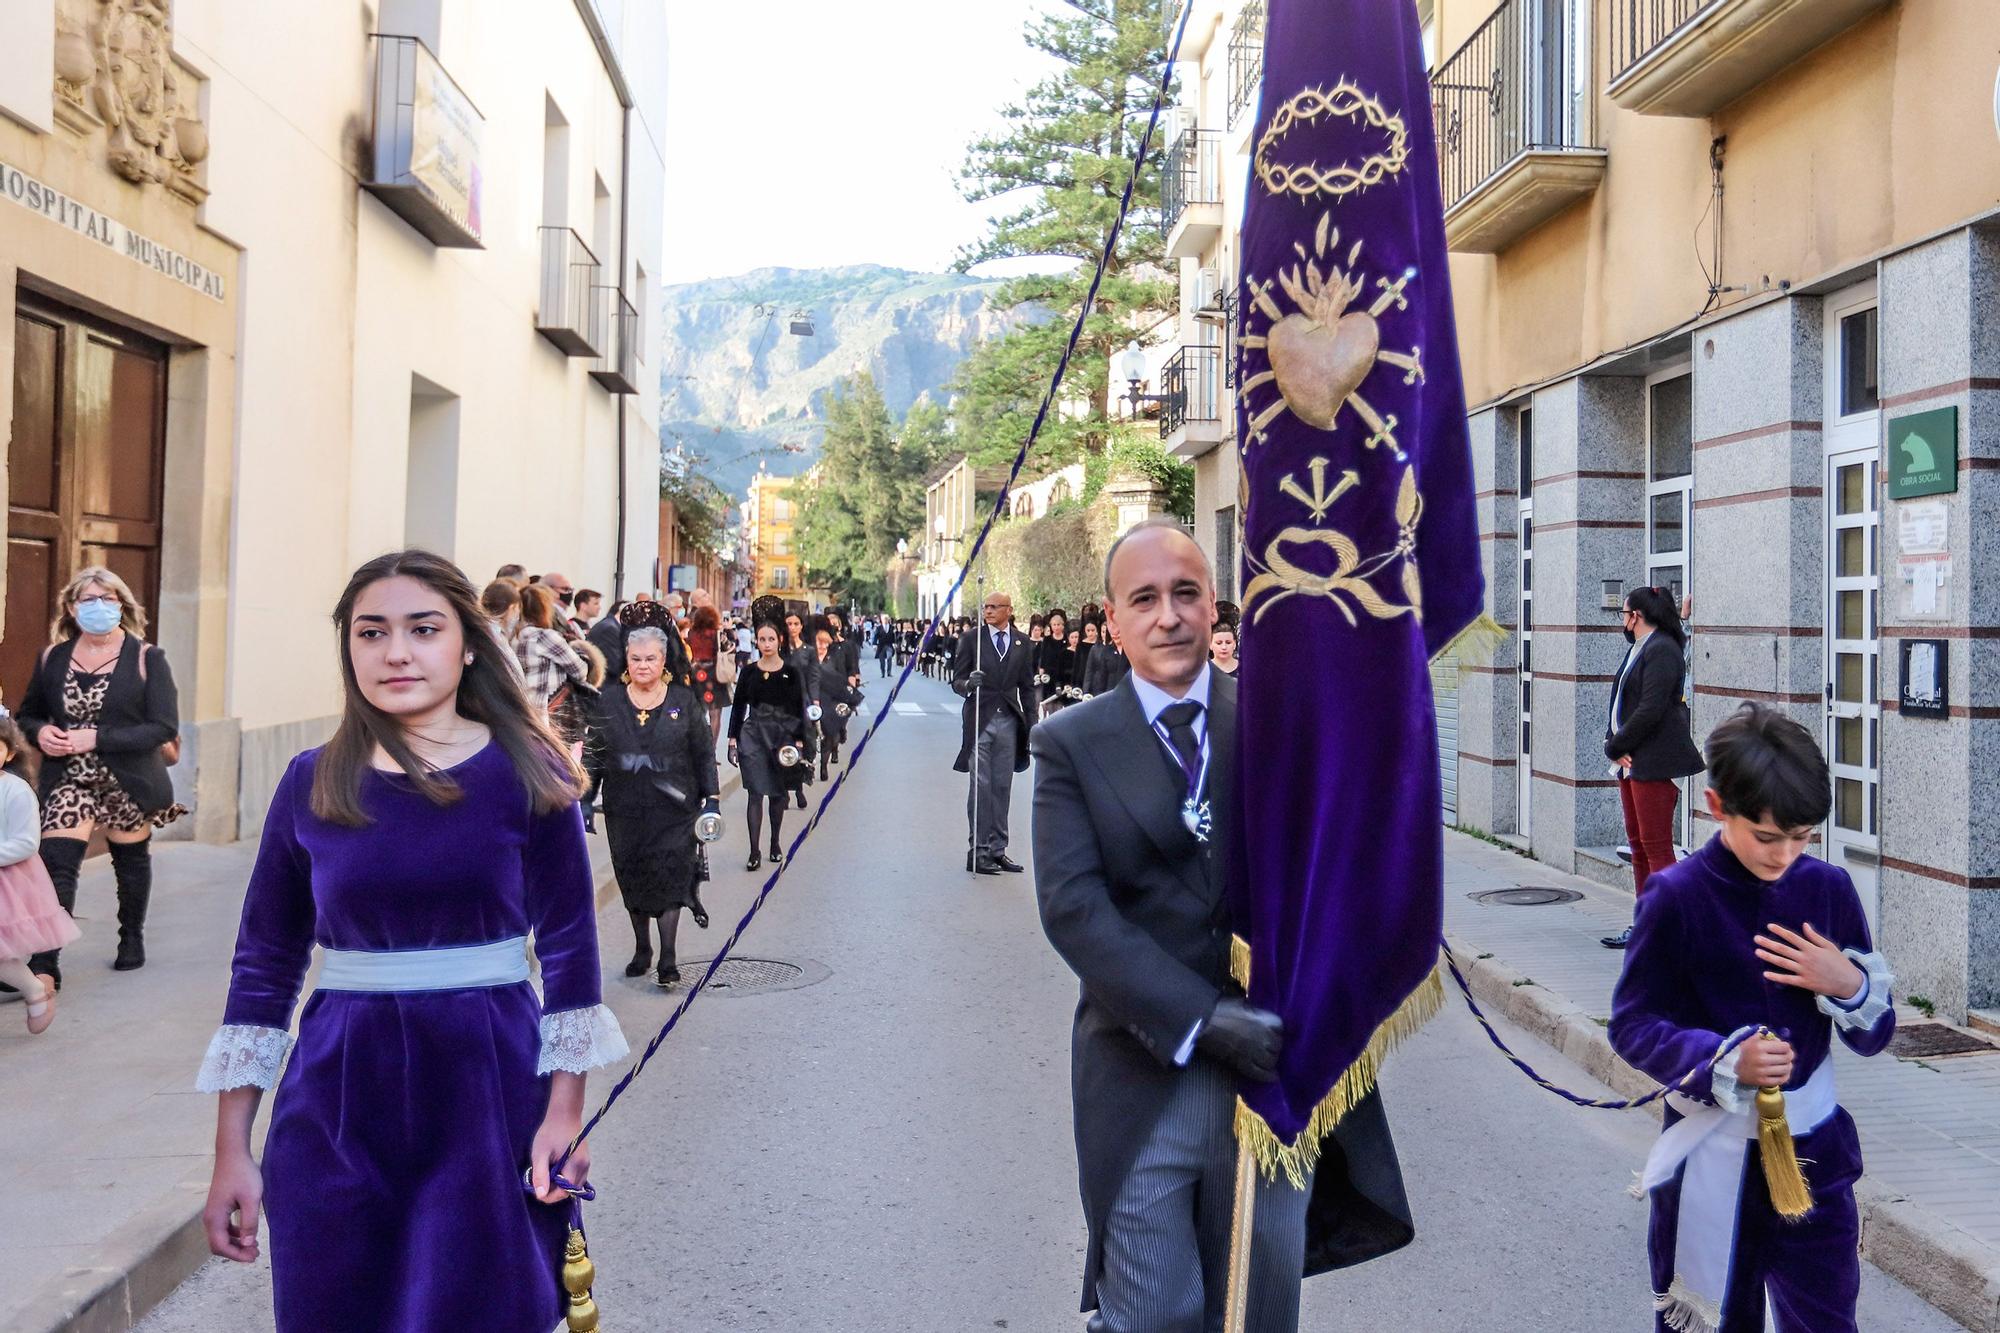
<point x="767" y="724"/>
<point x="993" y="669"/>
<point x="836" y="701"/>
<point x="1055" y="662"/>
<point x="651" y="754"/>
<point x="798" y="648"/>
<point x="1108" y="663"/>
<point x="1134" y="816"/>
<point x="848" y="647"/>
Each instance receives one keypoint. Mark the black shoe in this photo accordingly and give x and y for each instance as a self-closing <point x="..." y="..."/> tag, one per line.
<point x="667" y="977"/>
<point x="642" y="962"/>
<point x="699" y="913"/>
<point x="802" y="798"/>
<point x="755" y="860"/>
<point x="777" y="855"/>
<point x="987" y="866"/>
<point x="1007" y="864"/>
<point x="1618" y="941"/>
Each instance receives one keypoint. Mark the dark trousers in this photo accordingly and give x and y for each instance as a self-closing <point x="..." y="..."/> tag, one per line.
<point x="1649" y="825"/>
<point x="1166" y="1242"/>
<point x="991" y="788"/>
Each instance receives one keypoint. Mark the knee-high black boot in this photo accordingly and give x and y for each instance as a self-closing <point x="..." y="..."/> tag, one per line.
<point x="63" y="858"/>
<point x="132" y="864"/>
<point x="642" y="953"/>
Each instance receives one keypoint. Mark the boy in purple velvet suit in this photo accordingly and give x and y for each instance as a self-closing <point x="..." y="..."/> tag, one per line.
<point x="1751" y="936"/>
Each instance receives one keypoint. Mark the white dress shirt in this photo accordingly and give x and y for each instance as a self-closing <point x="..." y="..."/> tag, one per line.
<point x="1153" y="701"/>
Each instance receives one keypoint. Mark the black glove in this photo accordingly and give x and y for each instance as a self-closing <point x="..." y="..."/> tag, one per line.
<point x="712" y="806"/>
<point x="732" y="755"/>
<point x="976" y="679"/>
<point x="1243" y="1037"/>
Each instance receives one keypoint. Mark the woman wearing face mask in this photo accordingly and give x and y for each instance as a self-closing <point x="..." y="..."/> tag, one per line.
<point x="767" y="718"/>
<point x="419" y="848"/>
<point x="103" y="711"/>
<point x="1649" y="739"/>
<point x="650" y="752"/>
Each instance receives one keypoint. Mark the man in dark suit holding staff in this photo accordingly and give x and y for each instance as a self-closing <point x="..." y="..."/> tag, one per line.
<point x="993" y="669"/>
<point x="1133" y="816"/>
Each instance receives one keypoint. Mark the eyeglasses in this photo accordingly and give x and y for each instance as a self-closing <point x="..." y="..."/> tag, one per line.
<point x="82" y="602"/>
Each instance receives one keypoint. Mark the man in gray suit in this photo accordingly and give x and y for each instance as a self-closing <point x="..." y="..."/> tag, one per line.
<point x="993" y="668"/>
<point x="1134" y="794"/>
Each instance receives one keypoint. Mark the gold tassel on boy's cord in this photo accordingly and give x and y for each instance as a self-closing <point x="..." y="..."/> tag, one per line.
<point x="578" y="1273"/>
<point x="1783" y="1176"/>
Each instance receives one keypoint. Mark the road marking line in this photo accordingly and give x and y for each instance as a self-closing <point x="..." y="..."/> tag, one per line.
<point x="908" y="708"/>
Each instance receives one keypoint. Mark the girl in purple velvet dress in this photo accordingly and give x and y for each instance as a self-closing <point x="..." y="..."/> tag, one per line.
<point x="419" y="848"/>
<point x="1750" y="936"/>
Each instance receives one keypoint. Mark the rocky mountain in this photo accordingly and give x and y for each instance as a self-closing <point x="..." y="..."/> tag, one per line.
<point x="743" y="380"/>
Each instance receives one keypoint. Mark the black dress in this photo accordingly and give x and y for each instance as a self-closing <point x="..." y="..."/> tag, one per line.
<point x="655" y="775"/>
<point x="768" y="713"/>
<point x="835" y="694"/>
<point x="1054" y="660"/>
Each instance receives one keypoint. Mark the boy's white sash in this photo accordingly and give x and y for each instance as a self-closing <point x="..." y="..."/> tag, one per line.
<point x="1713" y="1144"/>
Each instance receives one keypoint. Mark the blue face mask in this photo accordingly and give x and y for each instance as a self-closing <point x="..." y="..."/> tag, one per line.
<point x="98" y="617"/>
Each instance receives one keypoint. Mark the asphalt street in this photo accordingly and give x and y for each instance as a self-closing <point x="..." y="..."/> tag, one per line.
<point x="887" y="1146"/>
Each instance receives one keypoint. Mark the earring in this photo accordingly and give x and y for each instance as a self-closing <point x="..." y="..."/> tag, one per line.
<point x="469" y="657"/>
<point x="625" y="676"/>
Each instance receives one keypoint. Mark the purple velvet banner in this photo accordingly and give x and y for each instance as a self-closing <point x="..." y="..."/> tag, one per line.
<point x="1360" y="550"/>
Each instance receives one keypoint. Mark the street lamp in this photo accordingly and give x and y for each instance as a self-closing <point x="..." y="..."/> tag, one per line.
<point x="1132" y="365"/>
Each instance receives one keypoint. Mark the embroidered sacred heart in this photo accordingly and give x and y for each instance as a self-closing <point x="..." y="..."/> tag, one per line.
<point x="1318" y="366"/>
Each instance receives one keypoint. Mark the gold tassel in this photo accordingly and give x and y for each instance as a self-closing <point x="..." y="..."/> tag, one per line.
<point x="1783" y="1176"/>
<point x="1476" y="644"/>
<point x="578" y="1273"/>
<point x="1300" y="1158"/>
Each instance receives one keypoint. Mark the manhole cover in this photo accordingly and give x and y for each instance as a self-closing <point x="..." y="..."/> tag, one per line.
<point x="1528" y="895"/>
<point x="1921" y="1041"/>
<point x="752" y="976"/>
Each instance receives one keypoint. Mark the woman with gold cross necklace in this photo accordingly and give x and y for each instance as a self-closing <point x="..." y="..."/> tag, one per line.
<point x="650" y="753"/>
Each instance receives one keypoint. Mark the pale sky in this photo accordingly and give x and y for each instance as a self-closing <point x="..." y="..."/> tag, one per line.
<point x="808" y="133"/>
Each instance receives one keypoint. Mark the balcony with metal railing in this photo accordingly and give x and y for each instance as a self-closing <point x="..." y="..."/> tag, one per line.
<point x="1246" y="61"/>
<point x="571" y="311"/>
<point x="618" y="369"/>
<point x="1191" y="193"/>
<point x="1516" y="124"/>
<point x="1191" y="401"/>
<point x="1694" y="57"/>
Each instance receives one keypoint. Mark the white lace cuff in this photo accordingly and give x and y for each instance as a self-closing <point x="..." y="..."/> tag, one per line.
<point x="576" y="1041"/>
<point x="1728" y="1093"/>
<point x="1876" y="994"/>
<point x="242" y="1056"/>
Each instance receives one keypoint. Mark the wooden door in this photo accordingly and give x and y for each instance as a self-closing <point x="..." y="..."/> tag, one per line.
<point x="86" y="460"/>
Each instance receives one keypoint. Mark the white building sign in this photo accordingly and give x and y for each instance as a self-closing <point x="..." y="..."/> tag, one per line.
<point x="113" y="235"/>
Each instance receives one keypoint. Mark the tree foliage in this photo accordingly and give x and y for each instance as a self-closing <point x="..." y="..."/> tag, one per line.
<point x="702" y="505"/>
<point x="1061" y="159"/>
<point x="867" y="490"/>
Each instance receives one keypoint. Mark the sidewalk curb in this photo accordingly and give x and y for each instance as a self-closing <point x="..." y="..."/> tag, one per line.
<point x="140" y="1264"/>
<point x="1950" y="1270"/>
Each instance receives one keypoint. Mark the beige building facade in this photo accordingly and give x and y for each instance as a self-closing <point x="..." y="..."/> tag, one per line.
<point x="1728" y="311"/>
<point x="295" y="289"/>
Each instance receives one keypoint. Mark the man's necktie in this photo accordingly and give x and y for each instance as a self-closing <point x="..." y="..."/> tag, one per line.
<point x="1000" y="644"/>
<point x="1178" y="719"/>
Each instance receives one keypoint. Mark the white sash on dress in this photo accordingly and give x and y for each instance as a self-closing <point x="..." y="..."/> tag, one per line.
<point x="501" y="963"/>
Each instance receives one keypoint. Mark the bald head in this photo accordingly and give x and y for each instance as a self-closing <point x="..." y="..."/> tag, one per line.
<point x="1159" y="601"/>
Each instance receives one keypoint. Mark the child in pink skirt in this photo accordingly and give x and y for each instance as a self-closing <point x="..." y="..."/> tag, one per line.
<point x="31" y="919"/>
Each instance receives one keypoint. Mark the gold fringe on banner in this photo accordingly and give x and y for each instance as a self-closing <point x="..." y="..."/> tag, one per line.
<point x="1476" y="644"/>
<point x="1299" y="1159"/>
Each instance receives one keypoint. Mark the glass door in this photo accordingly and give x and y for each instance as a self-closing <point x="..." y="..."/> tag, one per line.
<point x="1524" y="774"/>
<point x="1669" y="525"/>
<point x="1853" y="589"/>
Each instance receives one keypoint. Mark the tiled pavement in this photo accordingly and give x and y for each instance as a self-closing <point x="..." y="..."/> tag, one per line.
<point x="1930" y="1129"/>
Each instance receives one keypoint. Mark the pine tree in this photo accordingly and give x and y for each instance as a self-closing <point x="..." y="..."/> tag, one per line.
<point x="1066" y="150"/>
<point x="867" y="489"/>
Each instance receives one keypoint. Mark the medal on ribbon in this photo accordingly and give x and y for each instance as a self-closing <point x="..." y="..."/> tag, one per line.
<point x="1195" y="812"/>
